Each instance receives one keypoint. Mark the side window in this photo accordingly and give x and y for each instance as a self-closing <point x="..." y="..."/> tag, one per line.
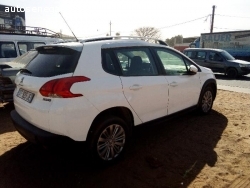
<point x="189" y="54"/>
<point x="201" y="55"/>
<point x="136" y="62"/>
<point x="213" y="56"/>
<point x="7" y="50"/>
<point x="108" y="63"/>
<point x="27" y="46"/>
<point x="173" y="63"/>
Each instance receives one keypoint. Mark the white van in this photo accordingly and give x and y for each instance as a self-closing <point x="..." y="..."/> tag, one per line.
<point x="17" y="42"/>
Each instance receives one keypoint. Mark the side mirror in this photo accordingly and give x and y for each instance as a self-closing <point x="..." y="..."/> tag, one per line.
<point x="193" y="69"/>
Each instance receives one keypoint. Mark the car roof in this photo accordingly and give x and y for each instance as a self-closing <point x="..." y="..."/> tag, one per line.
<point x="204" y="49"/>
<point x="110" y="42"/>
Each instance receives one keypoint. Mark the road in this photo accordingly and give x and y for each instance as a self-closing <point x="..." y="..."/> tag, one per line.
<point x="241" y="82"/>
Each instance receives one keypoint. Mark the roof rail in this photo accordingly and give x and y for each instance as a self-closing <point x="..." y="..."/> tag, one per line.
<point x="27" y="30"/>
<point x="151" y="40"/>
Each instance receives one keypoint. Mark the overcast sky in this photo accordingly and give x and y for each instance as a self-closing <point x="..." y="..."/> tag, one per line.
<point x="92" y="18"/>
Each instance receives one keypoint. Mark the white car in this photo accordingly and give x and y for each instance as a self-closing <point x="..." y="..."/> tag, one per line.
<point x="98" y="90"/>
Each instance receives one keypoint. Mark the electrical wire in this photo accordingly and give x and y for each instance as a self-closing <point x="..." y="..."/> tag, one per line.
<point x="229" y="29"/>
<point x="183" y="22"/>
<point x="231" y="16"/>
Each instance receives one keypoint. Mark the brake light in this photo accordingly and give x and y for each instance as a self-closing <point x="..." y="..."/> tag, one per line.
<point x="60" y="88"/>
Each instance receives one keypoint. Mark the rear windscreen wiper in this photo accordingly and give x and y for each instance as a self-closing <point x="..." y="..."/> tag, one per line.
<point x="25" y="71"/>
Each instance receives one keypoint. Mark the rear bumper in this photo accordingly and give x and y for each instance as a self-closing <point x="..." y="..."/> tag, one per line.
<point x="32" y="133"/>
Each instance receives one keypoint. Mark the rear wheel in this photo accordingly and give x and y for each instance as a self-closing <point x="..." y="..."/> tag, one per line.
<point x="206" y="100"/>
<point x="232" y="73"/>
<point x="108" y="139"/>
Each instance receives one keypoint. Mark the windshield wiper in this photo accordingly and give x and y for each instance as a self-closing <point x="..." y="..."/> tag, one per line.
<point x="25" y="71"/>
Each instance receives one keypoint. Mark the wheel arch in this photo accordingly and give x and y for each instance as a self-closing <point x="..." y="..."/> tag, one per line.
<point x="209" y="83"/>
<point x="121" y="112"/>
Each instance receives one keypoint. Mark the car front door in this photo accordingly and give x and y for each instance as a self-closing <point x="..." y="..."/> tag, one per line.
<point x="216" y="62"/>
<point x="184" y="87"/>
<point x="145" y="90"/>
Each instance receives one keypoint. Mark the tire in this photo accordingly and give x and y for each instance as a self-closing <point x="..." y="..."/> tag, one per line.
<point x="108" y="139"/>
<point x="206" y="100"/>
<point x="232" y="73"/>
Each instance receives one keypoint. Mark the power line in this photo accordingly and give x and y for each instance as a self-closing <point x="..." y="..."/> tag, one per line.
<point x="231" y="16"/>
<point x="183" y="22"/>
<point x="229" y="28"/>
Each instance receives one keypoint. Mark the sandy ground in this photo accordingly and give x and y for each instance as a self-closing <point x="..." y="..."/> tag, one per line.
<point x="189" y="151"/>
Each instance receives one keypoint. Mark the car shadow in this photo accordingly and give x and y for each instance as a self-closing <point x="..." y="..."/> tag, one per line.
<point x="224" y="77"/>
<point x="5" y="121"/>
<point x="166" y="154"/>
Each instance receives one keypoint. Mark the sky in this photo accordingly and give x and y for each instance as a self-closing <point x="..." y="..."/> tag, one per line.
<point x="92" y="18"/>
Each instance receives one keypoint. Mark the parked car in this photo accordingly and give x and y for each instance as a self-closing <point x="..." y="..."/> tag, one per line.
<point x="219" y="61"/>
<point x="14" y="45"/>
<point x="98" y="90"/>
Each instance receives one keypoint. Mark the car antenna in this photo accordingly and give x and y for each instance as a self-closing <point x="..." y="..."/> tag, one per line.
<point x="69" y="27"/>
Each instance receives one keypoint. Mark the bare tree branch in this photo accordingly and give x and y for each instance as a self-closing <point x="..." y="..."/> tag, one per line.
<point x="148" y="32"/>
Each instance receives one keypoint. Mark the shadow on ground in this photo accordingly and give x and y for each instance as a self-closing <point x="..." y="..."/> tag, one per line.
<point x="167" y="154"/>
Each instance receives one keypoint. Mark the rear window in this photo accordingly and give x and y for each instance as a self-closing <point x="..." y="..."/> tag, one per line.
<point x="53" y="61"/>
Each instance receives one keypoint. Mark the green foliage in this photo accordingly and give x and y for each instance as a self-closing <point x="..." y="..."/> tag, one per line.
<point x="174" y="40"/>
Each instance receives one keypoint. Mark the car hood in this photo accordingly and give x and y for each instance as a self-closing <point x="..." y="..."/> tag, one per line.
<point x="239" y="61"/>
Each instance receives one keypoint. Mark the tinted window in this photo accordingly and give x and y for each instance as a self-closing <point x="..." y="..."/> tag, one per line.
<point x="189" y="54"/>
<point x="213" y="56"/>
<point x="135" y="61"/>
<point x="108" y="63"/>
<point x="173" y="63"/>
<point x="201" y="55"/>
<point x="7" y="50"/>
<point x="52" y="61"/>
<point x="27" y="46"/>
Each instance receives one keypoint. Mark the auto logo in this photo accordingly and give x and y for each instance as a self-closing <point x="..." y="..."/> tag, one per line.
<point x="21" y="80"/>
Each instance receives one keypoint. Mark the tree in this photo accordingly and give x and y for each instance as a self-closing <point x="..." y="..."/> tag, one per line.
<point x="147" y="32"/>
<point x="117" y="34"/>
<point x="174" y="40"/>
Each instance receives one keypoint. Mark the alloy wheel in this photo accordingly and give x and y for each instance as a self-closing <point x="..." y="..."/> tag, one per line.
<point x="207" y="101"/>
<point x="111" y="142"/>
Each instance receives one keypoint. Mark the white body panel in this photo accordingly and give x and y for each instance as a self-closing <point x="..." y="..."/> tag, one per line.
<point x="184" y="92"/>
<point x="147" y="95"/>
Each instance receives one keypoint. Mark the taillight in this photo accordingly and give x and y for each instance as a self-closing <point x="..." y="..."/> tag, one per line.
<point x="60" y="88"/>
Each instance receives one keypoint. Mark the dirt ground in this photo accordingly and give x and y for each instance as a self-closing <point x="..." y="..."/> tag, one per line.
<point x="190" y="151"/>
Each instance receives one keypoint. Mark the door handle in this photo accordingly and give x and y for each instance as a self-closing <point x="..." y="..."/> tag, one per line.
<point x="135" y="87"/>
<point x="174" y="84"/>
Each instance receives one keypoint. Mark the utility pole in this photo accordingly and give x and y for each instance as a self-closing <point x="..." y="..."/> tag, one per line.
<point x="110" y="29"/>
<point x="212" y="22"/>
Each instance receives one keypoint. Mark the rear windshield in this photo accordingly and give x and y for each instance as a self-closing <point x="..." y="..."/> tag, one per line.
<point x="53" y="61"/>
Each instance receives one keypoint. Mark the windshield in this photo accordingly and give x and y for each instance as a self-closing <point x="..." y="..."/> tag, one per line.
<point x="226" y="55"/>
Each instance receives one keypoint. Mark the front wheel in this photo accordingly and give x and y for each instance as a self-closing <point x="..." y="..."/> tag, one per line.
<point x="108" y="139"/>
<point x="206" y="100"/>
<point x="232" y="73"/>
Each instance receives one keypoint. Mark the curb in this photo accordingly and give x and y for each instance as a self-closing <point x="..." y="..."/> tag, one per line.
<point x="235" y="89"/>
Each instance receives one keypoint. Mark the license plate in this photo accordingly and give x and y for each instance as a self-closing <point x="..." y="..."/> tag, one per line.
<point x="25" y="95"/>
